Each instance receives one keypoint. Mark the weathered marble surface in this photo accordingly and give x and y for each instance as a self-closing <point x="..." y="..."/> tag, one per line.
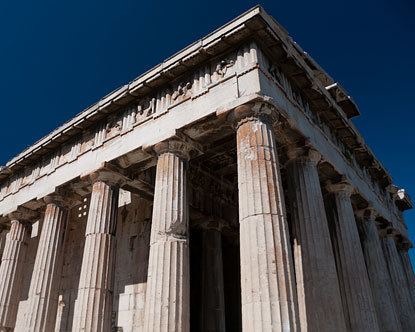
<point x="319" y="300"/>
<point x="11" y="273"/>
<point x="355" y="288"/>
<point x="93" y="308"/>
<point x="3" y="233"/>
<point x="269" y="298"/>
<point x="168" y="281"/>
<point x="43" y="294"/>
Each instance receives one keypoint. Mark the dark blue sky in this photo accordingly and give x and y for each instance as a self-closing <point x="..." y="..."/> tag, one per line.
<point x="59" y="57"/>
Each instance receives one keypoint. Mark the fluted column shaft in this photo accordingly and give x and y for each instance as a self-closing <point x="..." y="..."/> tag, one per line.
<point x="94" y="303"/>
<point x="267" y="274"/>
<point x="319" y="300"/>
<point x="11" y="273"/>
<point x="379" y="277"/>
<point x="404" y="305"/>
<point x="213" y="296"/>
<point x="168" y="282"/>
<point x="357" y="298"/>
<point x="409" y="271"/>
<point x="3" y="233"/>
<point x="44" y="285"/>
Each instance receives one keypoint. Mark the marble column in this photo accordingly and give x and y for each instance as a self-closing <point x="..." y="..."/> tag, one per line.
<point x="355" y="288"/>
<point x="44" y="285"/>
<point x="409" y="271"/>
<point x="168" y="281"/>
<point x="93" y="306"/>
<point x="379" y="278"/>
<point x="3" y="233"/>
<point x="319" y="301"/>
<point x="213" y="296"/>
<point x="269" y="300"/>
<point x="404" y="305"/>
<point x="11" y="273"/>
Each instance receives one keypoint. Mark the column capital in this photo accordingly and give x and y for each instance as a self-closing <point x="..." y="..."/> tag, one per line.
<point x="342" y="188"/>
<point x="23" y="214"/>
<point x="108" y="174"/>
<point x="303" y="154"/>
<point x="252" y="111"/>
<point x="367" y="214"/>
<point x="58" y="200"/>
<point x="404" y="246"/>
<point x="388" y="232"/>
<point x="64" y="197"/>
<point x="178" y="147"/>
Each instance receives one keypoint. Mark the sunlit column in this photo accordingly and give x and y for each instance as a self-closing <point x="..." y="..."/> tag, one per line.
<point x="94" y="303"/>
<point x="167" y="305"/>
<point x="44" y="285"/>
<point x="11" y="269"/>
<point x="269" y="300"/>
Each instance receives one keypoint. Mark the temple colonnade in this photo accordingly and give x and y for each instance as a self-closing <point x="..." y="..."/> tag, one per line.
<point x="308" y="260"/>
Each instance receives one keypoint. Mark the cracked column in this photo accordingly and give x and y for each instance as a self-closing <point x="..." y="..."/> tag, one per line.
<point x="11" y="272"/>
<point x="379" y="278"/>
<point x="404" y="305"/>
<point x="213" y="296"/>
<point x="267" y="274"/>
<point x="355" y="288"/>
<point x="44" y="285"/>
<point x="319" y="301"/>
<point x="93" y="306"/>
<point x="168" y="281"/>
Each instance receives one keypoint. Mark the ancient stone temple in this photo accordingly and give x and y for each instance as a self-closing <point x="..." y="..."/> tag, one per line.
<point x="225" y="189"/>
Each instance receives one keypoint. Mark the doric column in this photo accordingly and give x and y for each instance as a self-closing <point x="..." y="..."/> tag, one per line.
<point x="269" y="300"/>
<point x="93" y="306"/>
<point x="11" y="273"/>
<point x="409" y="271"/>
<point x="404" y="305"/>
<point x="3" y="233"/>
<point x="379" y="278"/>
<point x="213" y="296"/>
<point x="357" y="298"/>
<point x="168" y="282"/>
<point x="319" y="300"/>
<point x="44" y="285"/>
